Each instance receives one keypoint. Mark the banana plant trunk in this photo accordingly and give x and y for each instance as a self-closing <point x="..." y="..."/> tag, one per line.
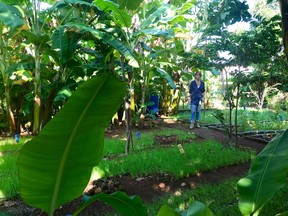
<point x="132" y="93"/>
<point x="37" y="93"/>
<point x="127" y="108"/>
<point x="48" y="111"/>
<point x="175" y="100"/>
<point x="164" y="98"/>
<point x="37" y="78"/>
<point x="9" y="117"/>
<point x="10" y="114"/>
<point x="143" y="93"/>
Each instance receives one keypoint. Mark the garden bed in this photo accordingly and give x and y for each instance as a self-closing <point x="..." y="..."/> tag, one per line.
<point x="148" y="187"/>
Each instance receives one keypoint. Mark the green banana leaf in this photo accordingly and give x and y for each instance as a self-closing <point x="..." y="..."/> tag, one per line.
<point x="167" y="34"/>
<point x="166" y="76"/>
<point x="167" y="211"/>
<point x="155" y="16"/>
<point x="120" y="16"/>
<point x="60" y="43"/>
<point x="127" y="205"/>
<point x="55" y="166"/>
<point x="267" y="174"/>
<point x="197" y="208"/>
<point x="108" y="39"/>
<point x="172" y="20"/>
<point x="129" y="4"/>
<point x="37" y="40"/>
<point x="188" y="5"/>
<point x="10" y="16"/>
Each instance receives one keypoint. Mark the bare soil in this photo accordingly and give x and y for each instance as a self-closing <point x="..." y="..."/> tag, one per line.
<point x="148" y="187"/>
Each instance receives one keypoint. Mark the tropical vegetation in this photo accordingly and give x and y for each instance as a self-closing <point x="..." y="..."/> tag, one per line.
<point x="66" y="69"/>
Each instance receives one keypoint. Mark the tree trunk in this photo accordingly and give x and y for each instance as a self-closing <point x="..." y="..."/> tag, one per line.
<point x="3" y="110"/>
<point x="236" y="113"/>
<point x="229" y="97"/>
<point x="284" y="13"/>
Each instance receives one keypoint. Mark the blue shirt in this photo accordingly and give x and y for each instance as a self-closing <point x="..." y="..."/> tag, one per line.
<point x="196" y="92"/>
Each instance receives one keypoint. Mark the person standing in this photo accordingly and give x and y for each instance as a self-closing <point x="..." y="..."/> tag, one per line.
<point x="196" y="90"/>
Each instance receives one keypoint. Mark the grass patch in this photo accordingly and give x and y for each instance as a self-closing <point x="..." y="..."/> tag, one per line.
<point x="9" y="145"/>
<point x="8" y="176"/>
<point x="248" y="120"/>
<point x="114" y="146"/>
<point x="202" y="157"/>
<point x="9" y="151"/>
<point x="220" y="198"/>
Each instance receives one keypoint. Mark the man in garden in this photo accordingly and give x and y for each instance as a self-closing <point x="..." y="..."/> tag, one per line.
<point x="196" y="90"/>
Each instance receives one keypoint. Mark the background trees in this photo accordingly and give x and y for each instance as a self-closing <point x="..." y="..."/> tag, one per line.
<point x="154" y="48"/>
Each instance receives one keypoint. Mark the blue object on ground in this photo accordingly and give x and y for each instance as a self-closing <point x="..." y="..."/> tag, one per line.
<point x="138" y="135"/>
<point x="17" y="138"/>
<point x="155" y="106"/>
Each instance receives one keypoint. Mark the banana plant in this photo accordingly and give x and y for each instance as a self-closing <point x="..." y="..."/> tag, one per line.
<point x="11" y="21"/>
<point x="268" y="173"/>
<point x="160" y="29"/>
<point x="55" y="166"/>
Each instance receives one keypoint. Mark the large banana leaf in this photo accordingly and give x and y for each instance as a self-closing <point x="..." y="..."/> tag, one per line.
<point x="167" y="211"/>
<point x="267" y="174"/>
<point x="127" y="205"/>
<point x="172" y="20"/>
<point x="167" y="34"/>
<point x="60" y="43"/>
<point x="155" y="16"/>
<point x="120" y="15"/>
<point x="108" y="39"/>
<point x="188" y="5"/>
<point x="10" y="16"/>
<point x="166" y="76"/>
<point x="129" y="4"/>
<point x="55" y="167"/>
<point x="37" y="40"/>
<point x="195" y="208"/>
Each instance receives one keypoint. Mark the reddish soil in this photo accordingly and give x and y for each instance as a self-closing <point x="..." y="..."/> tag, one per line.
<point x="152" y="186"/>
